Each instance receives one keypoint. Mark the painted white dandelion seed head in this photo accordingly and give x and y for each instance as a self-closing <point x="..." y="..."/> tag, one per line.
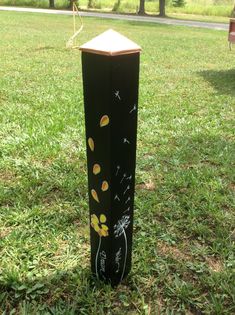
<point x="121" y="225"/>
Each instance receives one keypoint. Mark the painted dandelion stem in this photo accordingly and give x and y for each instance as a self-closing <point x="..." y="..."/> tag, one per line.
<point x="124" y="265"/>
<point x="101" y="228"/>
<point x="96" y="258"/>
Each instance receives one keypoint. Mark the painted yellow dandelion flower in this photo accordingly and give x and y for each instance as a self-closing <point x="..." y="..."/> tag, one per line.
<point x="95" y="222"/>
<point x="102" y="218"/>
<point x="98" y="225"/>
<point x="104" y="230"/>
<point x="104" y="121"/>
<point x="96" y="169"/>
<point x="105" y="186"/>
<point x="94" y="195"/>
<point x="91" y="144"/>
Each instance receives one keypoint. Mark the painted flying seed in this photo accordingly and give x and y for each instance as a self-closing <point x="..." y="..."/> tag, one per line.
<point x="126" y="141"/>
<point x="128" y="209"/>
<point x="117" y="95"/>
<point x="118" y="168"/>
<point x="116" y="198"/>
<point x="128" y="187"/>
<point x="124" y="176"/>
<point x="133" y="109"/>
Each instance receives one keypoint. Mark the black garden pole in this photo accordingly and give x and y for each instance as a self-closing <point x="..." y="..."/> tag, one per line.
<point x="110" y="64"/>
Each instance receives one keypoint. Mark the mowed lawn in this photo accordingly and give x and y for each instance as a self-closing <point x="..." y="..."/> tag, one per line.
<point x="183" y="254"/>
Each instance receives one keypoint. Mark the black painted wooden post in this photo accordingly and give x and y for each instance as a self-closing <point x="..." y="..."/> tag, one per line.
<point x="110" y="64"/>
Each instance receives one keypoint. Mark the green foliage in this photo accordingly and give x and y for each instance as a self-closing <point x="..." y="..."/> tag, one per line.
<point x="93" y="4"/>
<point x="209" y="10"/>
<point x="90" y="4"/>
<point x="116" y="6"/>
<point x="178" y="3"/>
<point x="183" y="250"/>
<point x="223" y="2"/>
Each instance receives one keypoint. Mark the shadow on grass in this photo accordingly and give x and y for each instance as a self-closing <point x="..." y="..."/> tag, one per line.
<point x="45" y="48"/>
<point x="222" y="81"/>
<point x="64" y="292"/>
<point x="48" y="48"/>
<point x="150" y="24"/>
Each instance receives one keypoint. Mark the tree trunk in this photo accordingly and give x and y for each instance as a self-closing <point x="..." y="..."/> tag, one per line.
<point x="90" y="4"/>
<point x="51" y="3"/>
<point x="71" y="3"/>
<point x="142" y="8"/>
<point x="233" y="12"/>
<point x="162" y="9"/>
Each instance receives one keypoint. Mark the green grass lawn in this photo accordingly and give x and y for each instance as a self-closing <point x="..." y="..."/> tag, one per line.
<point x="183" y="255"/>
<point x="197" y="17"/>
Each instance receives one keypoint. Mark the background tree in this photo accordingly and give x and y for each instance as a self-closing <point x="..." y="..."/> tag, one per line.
<point x="71" y="3"/>
<point x="91" y="4"/>
<point x="116" y="6"/>
<point x="51" y="3"/>
<point x="178" y="3"/>
<point x="233" y="12"/>
<point x="162" y="7"/>
<point x="142" y="7"/>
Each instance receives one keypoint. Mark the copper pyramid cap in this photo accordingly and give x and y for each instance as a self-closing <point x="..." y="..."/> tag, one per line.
<point x="110" y="43"/>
